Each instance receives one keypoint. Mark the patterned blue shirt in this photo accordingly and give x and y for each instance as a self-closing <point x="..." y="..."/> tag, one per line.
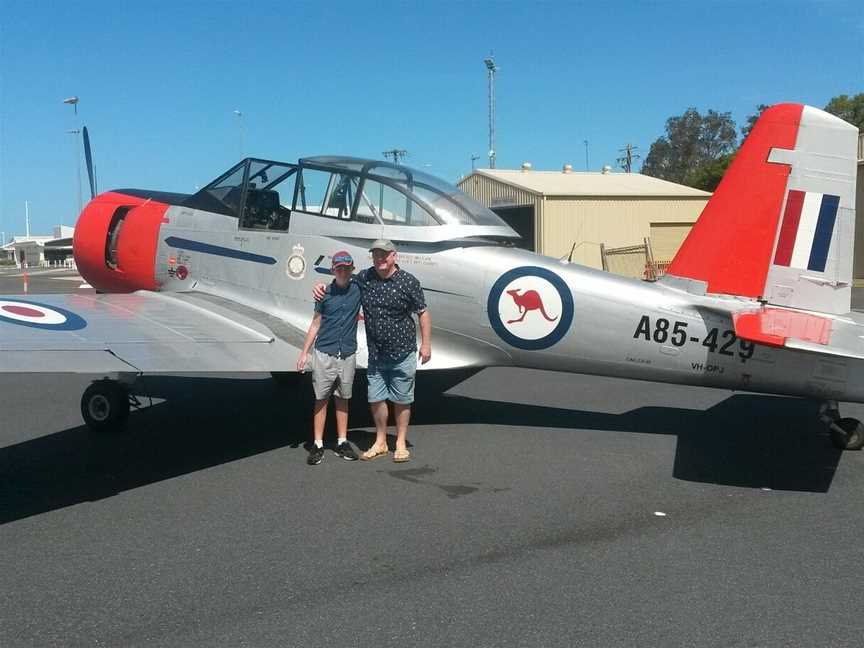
<point x="339" y="309"/>
<point x="388" y="306"/>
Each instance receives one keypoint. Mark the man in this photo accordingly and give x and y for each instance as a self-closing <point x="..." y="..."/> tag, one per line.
<point x="390" y="297"/>
<point x="334" y="332"/>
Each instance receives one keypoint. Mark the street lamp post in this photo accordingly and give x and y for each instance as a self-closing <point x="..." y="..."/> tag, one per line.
<point x="73" y="101"/>
<point x="240" y="122"/>
<point x="76" y="152"/>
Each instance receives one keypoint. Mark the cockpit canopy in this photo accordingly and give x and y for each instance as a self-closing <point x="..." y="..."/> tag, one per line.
<point x="264" y="193"/>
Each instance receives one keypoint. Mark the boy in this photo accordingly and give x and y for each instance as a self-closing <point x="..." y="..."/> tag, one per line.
<point x="334" y="332"/>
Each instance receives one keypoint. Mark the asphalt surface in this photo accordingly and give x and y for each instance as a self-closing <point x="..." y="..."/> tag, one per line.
<point x="540" y="509"/>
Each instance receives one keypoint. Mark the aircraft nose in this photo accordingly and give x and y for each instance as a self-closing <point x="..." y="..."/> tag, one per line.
<point x="115" y="242"/>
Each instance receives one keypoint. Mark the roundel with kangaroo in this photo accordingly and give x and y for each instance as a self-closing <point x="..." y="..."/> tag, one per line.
<point x="530" y="308"/>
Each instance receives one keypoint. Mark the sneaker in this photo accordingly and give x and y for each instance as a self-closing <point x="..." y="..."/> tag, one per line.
<point x="345" y="451"/>
<point x="316" y="456"/>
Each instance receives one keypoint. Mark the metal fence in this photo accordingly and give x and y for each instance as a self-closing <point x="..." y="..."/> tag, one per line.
<point x="635" y="261"/>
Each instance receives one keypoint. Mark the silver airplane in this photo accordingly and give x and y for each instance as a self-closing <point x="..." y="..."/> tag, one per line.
<point x="757" y="298"/>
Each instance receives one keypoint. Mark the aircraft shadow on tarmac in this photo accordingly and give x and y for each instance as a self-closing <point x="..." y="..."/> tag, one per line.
<point x="746" y="440"/>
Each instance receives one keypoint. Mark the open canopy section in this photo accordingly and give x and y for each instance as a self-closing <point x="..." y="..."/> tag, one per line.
<point x="444" y="204"/>
<point x="264" y="193"/>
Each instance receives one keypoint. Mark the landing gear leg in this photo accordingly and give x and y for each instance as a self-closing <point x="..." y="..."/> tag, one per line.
<point x="846" y="433"/>
<point x="105" y="406"/>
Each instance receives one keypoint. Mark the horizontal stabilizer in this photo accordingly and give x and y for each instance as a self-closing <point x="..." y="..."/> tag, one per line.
<point x="802" y="331"/>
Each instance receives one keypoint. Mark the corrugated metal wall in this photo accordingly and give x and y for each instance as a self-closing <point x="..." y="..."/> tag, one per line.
<point x="492" y="193"/>
<point x="615" y="222"/>
<point x="587" y="222"/>
<point x="666" y="238"/>
<point x="858" y="249"/>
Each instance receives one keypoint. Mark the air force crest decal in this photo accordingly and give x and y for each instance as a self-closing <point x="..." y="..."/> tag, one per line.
<point x="530" y="308"/>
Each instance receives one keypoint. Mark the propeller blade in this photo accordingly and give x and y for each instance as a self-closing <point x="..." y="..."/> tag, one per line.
<point x="88" y="157"/>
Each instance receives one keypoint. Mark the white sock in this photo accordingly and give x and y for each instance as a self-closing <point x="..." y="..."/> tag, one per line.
<point x="319" y="444"/>
<point x="342" y="440"/>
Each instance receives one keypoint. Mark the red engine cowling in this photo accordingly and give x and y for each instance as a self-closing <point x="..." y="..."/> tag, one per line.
<point x="115" y="242"/>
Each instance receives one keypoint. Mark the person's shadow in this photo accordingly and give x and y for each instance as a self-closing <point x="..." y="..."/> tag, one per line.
<point x="746" y="440"/>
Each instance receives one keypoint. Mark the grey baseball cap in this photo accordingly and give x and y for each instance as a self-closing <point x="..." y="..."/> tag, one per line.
<point x="383" y="244"/>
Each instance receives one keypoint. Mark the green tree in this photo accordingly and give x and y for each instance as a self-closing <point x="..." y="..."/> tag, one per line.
<point x="691" y="142"/>
<point x="709" y="175"/>
<point x="752" y="119"/>
<point x="850" y="109"/>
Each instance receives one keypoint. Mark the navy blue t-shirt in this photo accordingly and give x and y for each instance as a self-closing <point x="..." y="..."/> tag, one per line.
<point x="339" y="309"/>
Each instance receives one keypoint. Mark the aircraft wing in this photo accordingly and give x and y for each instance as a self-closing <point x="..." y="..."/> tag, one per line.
<point x="804" y="331"/>
<point x="141" y="332"/>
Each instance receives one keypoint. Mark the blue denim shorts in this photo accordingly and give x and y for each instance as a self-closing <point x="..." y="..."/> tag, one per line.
<point x="392" y="380"/>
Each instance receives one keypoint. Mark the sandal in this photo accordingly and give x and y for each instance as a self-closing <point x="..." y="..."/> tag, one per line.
<point x="401" y="456"/>
<point x="373" y="453"/>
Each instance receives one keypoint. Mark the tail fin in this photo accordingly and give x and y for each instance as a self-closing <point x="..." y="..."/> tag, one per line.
<point x="781" y="225"/>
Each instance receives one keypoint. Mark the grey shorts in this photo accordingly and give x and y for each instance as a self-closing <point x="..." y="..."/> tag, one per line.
<point x="332" y="375"/>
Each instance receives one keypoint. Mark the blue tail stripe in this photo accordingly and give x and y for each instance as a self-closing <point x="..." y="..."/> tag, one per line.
<point x="824" y="230"/>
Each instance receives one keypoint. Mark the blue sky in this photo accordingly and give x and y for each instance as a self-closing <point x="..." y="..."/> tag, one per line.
<point x="158" y="83"/>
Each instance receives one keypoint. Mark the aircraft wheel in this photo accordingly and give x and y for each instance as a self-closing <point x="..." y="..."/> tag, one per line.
<point x="105" y="407"/>
<point x="847" y="434"/>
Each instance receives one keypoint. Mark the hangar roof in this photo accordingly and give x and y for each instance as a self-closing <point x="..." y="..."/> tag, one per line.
<point x="576" y="183"/>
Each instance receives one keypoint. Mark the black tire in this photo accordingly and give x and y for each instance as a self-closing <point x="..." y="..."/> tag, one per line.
<point x="851" y="437"/>
<point x="105" y="407"/>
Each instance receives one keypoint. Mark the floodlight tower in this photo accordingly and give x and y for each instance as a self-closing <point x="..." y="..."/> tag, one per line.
<point x="395" y="154"/>
<point x="491" y="70"/>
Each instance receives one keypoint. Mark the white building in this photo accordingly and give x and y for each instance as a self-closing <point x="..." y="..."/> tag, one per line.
<point x="38" y="251"/>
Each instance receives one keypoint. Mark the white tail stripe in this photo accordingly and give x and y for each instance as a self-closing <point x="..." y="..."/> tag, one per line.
<point x="806" y="230"/>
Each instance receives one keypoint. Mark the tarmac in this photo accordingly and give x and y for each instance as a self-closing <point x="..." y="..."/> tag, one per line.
<point x="540" y="509"/>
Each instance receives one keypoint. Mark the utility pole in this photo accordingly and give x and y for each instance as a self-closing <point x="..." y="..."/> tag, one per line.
<point x="395" y="154"/>
<point x="626" y="160"/>
<point x="27" y="218"/>
<point x="474" y="158"/>
<point x="587" y="165"/>
<point x="491" y="70"/>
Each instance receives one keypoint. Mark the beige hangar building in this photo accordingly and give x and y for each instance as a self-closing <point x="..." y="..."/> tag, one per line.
<point x="559" y="211"/>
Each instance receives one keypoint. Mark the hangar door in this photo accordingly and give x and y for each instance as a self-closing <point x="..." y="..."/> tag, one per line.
<point x="666" y="238"/>
<point x="521" y="219"/>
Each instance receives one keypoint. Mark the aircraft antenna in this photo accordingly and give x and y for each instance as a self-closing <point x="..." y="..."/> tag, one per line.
<point x="491" y="69"/>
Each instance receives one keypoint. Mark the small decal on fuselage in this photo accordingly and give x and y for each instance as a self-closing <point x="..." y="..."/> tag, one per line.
<point x="530" y="308"/>
<point x="295" y="265"/>
<point x="42" y="316"/>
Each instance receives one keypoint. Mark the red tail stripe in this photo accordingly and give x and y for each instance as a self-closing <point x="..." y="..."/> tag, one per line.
<point x="789" y="229"/>
<point x="730" y="245"/>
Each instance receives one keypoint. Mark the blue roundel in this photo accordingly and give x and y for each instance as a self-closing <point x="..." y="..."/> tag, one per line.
<point x="535" y="322"/>
<point x="36" y="315"/>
